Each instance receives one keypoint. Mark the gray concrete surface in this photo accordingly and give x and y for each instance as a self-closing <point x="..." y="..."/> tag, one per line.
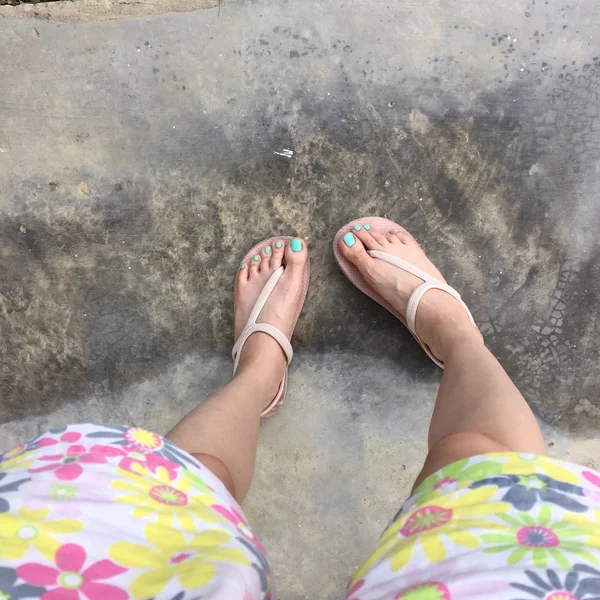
<point x="137" y="164"/>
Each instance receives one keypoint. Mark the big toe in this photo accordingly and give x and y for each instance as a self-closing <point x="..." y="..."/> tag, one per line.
<point x="353" y="250"/>
<point x="296" y="253"/>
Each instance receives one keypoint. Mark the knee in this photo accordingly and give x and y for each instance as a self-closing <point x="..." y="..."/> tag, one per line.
<point x="465" y="444"/>
<point x="219" y="468"/>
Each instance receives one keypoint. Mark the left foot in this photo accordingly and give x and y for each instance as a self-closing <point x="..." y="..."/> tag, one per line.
<point x="261" y="350"/>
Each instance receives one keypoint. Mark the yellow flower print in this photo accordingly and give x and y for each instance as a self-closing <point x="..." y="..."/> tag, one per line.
<point x="17" y="458"/>
<point x="431" y="526"/>
<point x="155" y="493"/>
<point x="172" y="557"/>
<point x="528" y="464"/>
<point x="29" y="528"/>
<point x="591" y="527"/>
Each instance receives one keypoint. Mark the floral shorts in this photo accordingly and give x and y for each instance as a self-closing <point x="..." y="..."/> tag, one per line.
<point x="96" y="512"/>
<point x="498" y="526"/>
<point x="106" y="512"/>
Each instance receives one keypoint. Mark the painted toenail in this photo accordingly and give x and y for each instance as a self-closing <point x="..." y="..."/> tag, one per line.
<point x="268" y="250"/>
<point x="357" y="228"/>
<point x="242" y="266"/>
<point x="367" y="227"/>
<point x="396" y="231"/>
<point x="256" y="258"/>
<point x="296" y="245"/>
<point x="278" y="245"/>
<point x="349" y="240"/>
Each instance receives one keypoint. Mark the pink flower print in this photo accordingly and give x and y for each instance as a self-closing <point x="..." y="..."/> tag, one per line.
<point x="536" y="536"/>
<point x="426" y="519"/>
<point x="135" y="460"/>
<point x="592" y="477"/>
<point x="68" y="466"/>
<point x="69" y="582"/>
<point x="233" y="516"/>
<point x="592" y="493"/>
<point x="445" y="485"/>
<point x="69" y="437"/>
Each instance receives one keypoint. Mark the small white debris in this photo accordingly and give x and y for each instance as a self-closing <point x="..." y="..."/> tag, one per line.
<point x="3" y="150"/>
<point x="285" y="152"/>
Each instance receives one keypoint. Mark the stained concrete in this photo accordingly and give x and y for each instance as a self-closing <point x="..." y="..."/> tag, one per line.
<point x="137" y="164"/>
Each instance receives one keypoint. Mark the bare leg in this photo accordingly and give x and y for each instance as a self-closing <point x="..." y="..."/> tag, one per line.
<point x="222" y="432"/>
<point x="478" y="408"/>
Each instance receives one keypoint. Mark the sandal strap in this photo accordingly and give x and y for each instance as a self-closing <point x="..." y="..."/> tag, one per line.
<point x="267" y="328"/>
<point x="253" y="327"/>
<point x="429" y="283"/>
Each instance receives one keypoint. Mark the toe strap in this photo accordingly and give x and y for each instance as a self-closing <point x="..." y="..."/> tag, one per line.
<point x="267" y="328"/>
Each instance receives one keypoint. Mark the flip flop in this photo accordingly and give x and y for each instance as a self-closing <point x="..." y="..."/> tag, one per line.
<point x="429" y="282"/>
<point x="252" y="326"/>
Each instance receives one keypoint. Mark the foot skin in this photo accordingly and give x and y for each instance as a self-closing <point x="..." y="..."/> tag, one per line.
<point x="440" y="318"/>
<point x="261" y="352"/>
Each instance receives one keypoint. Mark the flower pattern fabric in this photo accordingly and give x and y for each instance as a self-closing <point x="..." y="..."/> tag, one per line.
<point x="89" y="512"/>
<point x="93" y="512"/>
<point x="506" y="526"/>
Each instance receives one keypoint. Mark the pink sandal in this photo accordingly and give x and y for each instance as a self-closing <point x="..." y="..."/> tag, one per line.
<point x="429" y="282"/>
<point x="252" y="326"/>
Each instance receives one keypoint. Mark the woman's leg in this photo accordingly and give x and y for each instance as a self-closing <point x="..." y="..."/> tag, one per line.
<point x="478" y="408"/>
<point x="222" y="431"/>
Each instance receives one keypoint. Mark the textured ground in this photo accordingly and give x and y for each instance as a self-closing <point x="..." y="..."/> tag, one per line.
<point x="137" y="164"/>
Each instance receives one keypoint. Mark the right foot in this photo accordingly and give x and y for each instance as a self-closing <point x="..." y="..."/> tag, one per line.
<point x="440" y="318"/>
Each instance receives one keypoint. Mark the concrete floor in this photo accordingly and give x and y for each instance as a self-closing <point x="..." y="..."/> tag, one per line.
<point x="137" y="165"/>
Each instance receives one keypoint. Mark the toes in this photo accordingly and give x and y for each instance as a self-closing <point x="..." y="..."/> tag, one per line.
<point x="405" y="237"/>
<point x="278" y="249"/>
<point x="352" y="248"/>
<point x="265" y="257"/>
<point x="392" y="237"/>
<point x="254" y="265"/>
<point x="243" y="272"/>
<point x="296" y="253"/>
<point x="369" y="237"/>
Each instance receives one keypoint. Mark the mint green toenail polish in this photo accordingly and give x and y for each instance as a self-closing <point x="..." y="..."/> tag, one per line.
<point x="357" y="228"/>
<point x="268" y="250"/>
<point x="349" y="240"/>
<point x="396" y="231"/>
<point x="256" y="258"/>
<point x="242" y="266"/>
<point x="278" y="245"/>
<point x="296" y="245"/>
<point x="367" y="227"/>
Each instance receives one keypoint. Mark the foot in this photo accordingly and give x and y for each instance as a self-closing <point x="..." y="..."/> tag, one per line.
<point x="261" y="352"/>
<point x="440" y="318"/>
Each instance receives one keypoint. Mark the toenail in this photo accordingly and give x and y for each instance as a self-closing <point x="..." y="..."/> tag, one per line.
<point x="278" y="245"/>
<point x="242" y="266"/>
<point x="256" y="258"/>
<point x="396" y="231"/>
<point x="268" y="250"/>
<point x="349" y="240"/>
<point x="367" y="227"/>
<point x="357" y="228"/>
<point x="296" y="245"/>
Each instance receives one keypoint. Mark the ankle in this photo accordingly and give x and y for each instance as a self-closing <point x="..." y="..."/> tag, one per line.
<point x="445" y="325"/>
<point x="262" y="364"/>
